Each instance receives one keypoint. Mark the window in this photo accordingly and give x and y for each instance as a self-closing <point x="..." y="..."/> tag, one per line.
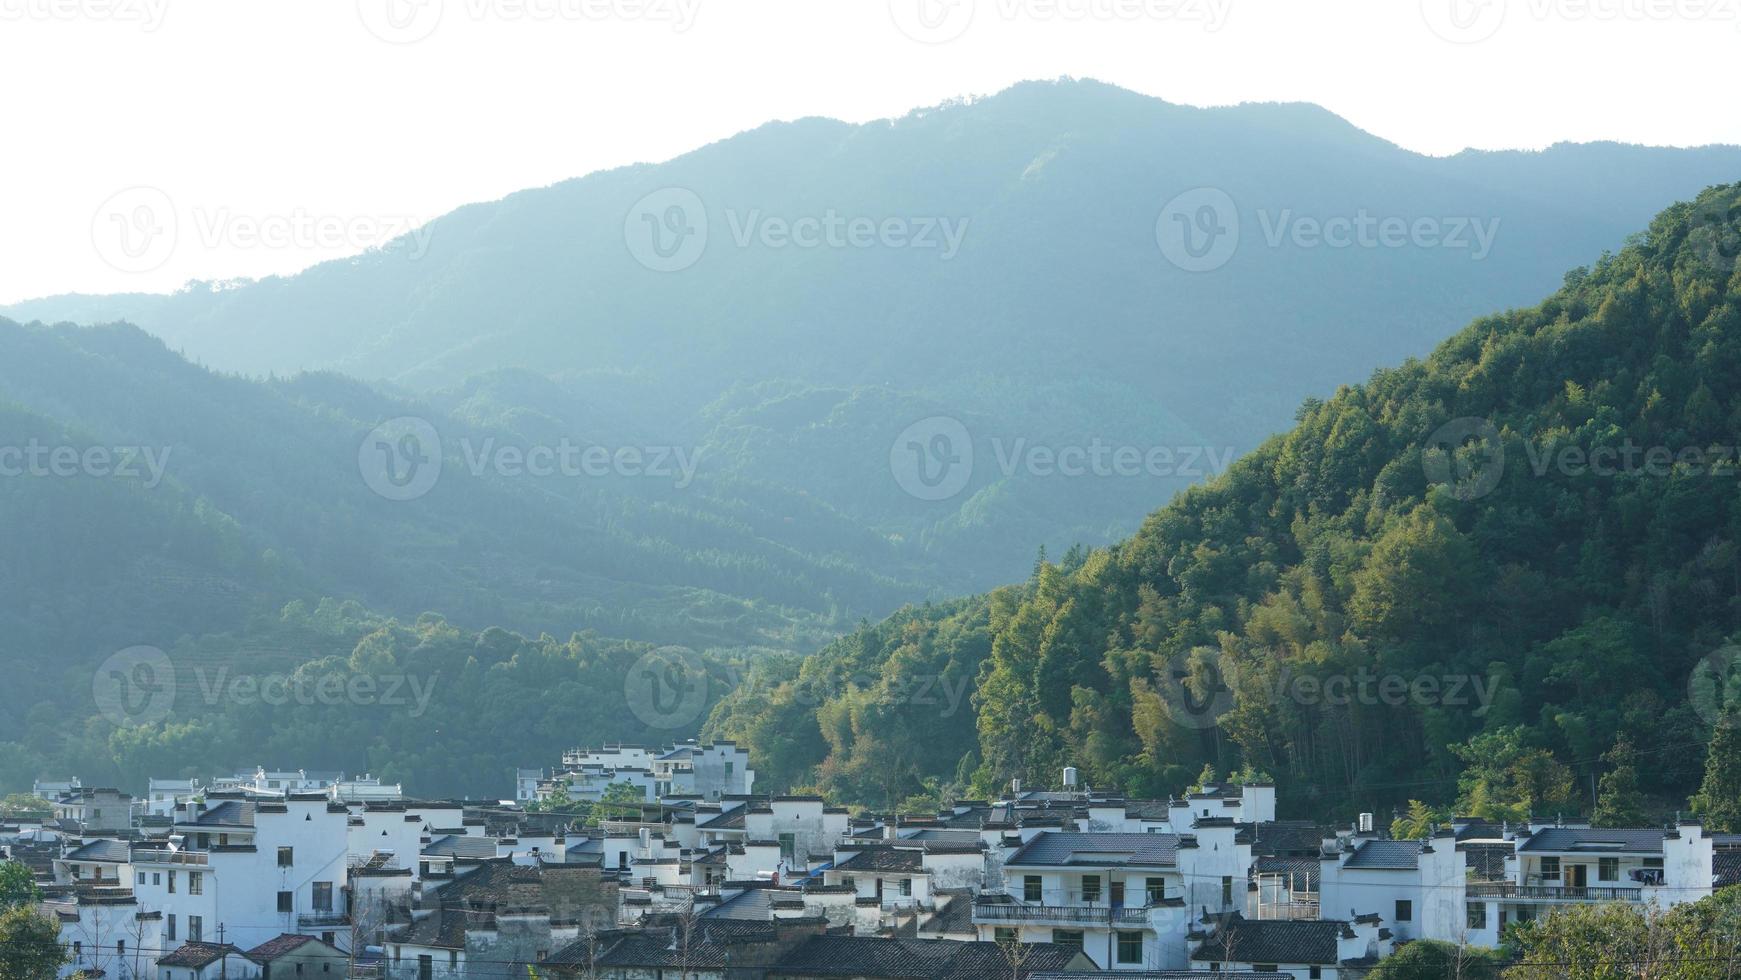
<point x="729" y="767"/>
<point x="196" y="884"/>
<point x="142" y="877"/>
<point x="286" y="902"/>
<point x="195" y="929"/>
<point x="323" y="896"/>
<point x="1315" y="973"/>
<point x="1090" y="888"/>
<point x="169" y="926"/>
<point x="1264" y="967"/>
<point x="1477" y="917"/>
<point x="1068" y="937"/>
<point x="172" y="883"/>
<point x="1608" y="869"/>
<point x="1157" y="889"/>
<point x="907" y="887"/>
<point x="1005" y="935"/>
<point x="1405" y="910"/>
<point x="1031" y="889"/>
<point x="1130" y="947"/>
<point x="120" y="947"/>
<point x="1226" y="891"/>
<point x="286" y="857"/>
<point x="1551" y="869"/>
<point x="789" y="848"/>
<point x="157" y="878"/>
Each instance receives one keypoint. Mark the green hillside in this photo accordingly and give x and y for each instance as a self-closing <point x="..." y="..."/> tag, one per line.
<point x="1462" y="581"/>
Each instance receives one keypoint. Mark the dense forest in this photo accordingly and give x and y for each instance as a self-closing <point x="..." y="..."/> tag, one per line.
<point x="1477" y="579"/>
<point x="446" y="712"/>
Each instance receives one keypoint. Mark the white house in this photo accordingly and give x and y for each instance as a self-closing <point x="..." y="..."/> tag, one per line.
<point x="1306" y="949"/>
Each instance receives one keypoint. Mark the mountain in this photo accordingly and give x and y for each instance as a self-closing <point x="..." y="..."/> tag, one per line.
<point x="1480" y="579"/>
<point x="1040" y="318"/>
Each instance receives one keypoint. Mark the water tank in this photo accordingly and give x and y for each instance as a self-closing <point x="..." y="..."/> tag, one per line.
<point x="1072" y="777"/>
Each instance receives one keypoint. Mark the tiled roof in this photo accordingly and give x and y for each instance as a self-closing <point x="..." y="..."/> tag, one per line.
<point x="1054" y="848"/>
<point x="110" y="851"/>
<point x="1617" y="841"/>
<point x="1726" y="866"/>
<point x="196" y="955"/>
<point x="911" y="959"/>
<point x="288" y="943"/>
<point x="1386" y="855"/>
<point x="455" y="845"/>
<point x="1239" y="940"/>
<point x="901" y="859"/>
<point x="229" y="813"/>
<point x="1287" y="838"/>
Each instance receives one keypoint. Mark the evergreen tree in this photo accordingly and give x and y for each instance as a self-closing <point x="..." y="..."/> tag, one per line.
<point x="1718" y="800"/>
<point x="1618" y="800"/>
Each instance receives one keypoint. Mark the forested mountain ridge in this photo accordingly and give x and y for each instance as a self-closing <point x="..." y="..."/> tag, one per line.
<point x="1055" y="318"/>
<point x="1542" y="518"/>
<point x="248" y="495"/>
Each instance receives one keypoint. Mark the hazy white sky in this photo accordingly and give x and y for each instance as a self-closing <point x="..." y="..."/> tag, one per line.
<point x="276" y="133"/>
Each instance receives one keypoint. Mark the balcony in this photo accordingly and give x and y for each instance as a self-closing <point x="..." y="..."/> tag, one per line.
<point x="322" y="920"/>
<point x="1554" y="893"/>
<point x="170" y="857"/>
<point x="1014" y="913"/>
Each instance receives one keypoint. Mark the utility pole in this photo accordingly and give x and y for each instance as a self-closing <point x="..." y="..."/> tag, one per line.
<point x="223" y="957"/>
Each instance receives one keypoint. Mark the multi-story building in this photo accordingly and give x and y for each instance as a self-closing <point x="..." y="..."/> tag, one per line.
<point x="243" y="870"/>
<point x="1126" y="900"/>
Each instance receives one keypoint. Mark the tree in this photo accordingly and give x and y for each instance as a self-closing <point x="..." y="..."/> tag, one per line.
<point x="1418" y="824"/>
<point x="1718" y="800"/>
<point x="31" y="942"/>
<point x="1428" y="959"/>
<point x="17" y="886"/>
<point x="1618" y="800"/>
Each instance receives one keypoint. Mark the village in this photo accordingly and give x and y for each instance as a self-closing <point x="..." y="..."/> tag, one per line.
<point x="683" y="870"/>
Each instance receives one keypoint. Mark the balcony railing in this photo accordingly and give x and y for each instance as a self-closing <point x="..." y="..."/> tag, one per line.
<point x="1554" y="893"/>
<point x="170" y="857"/>
<point x="1002" y="913"/>
<point x="322" y="920"/>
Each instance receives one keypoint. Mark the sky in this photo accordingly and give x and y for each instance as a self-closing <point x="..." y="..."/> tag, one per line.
<point x="273" y="134"/>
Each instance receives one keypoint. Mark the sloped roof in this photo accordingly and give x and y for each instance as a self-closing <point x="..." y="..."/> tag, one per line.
<point x="286" y="944"/>
<point x="1611" y="841"/>
<point x="1386" y="855"/>
<point x="901" y="859"/>
<point x="110" y="851"/>
<point x="911" y="959"/>
<point x="1054" y="848"/>
<point x="196" y="955"/>
<point x="1240" y="940"/>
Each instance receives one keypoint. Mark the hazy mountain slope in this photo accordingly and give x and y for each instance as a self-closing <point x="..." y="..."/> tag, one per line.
<point x="1060" y="322"/>
<point x="1462" y="582"/>
<point x="262" y="499"/>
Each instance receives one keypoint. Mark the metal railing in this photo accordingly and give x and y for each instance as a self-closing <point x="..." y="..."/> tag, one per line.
<point x="1551" y="893"/>
<point x="1012" y="912"/>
